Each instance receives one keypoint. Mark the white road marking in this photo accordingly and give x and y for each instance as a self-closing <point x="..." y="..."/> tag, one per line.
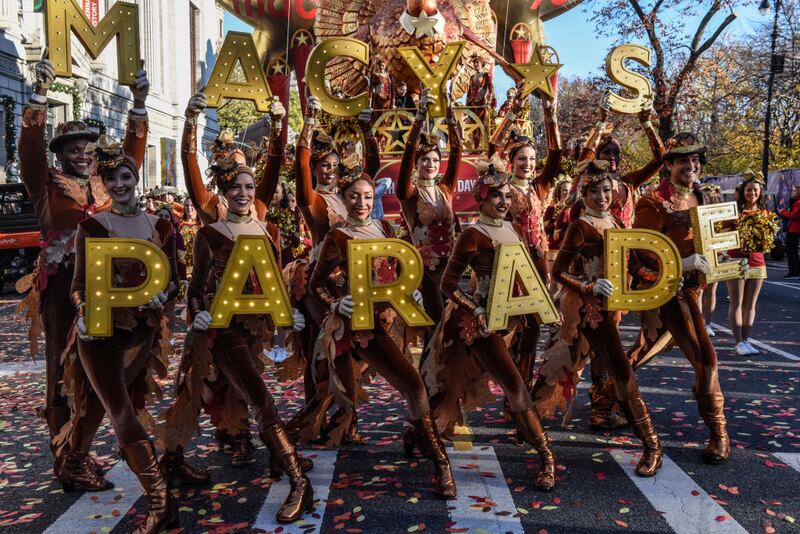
<point x="470" y="470"/>
<point x="12" y="368"/>
<point x="790" y="458"/>
<point x="107" y="511"/>
<point x="784" y="284"/>
<point x="321" y="477"/>
<point x="759" y="344"/>
<point x="682" y="503"/>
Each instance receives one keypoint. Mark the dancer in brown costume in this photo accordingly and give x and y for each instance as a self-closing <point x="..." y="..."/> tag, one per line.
<point x="426" y="198"/>
<point x="602" y="146"/>
<point x="463" y="354"/>
<point x="227" y="408"/>
<point x="119" y="367"/>
<point x="588" y="330"/>
<point x="529" y="193"/>
<point x="63" y="197"/>
<point x="375" y="347"/>
<point x="322" y="208"/>
<point x="234" y="350"/>
<point x="666" y="210"/>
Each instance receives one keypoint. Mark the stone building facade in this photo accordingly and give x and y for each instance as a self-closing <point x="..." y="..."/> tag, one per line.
<point x="179" y="40"/>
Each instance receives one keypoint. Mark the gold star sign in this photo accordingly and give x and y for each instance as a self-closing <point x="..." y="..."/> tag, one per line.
<point x="537" y="73"/>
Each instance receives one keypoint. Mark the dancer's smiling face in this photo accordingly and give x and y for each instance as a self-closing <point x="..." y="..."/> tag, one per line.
<point x="240" y="193"/>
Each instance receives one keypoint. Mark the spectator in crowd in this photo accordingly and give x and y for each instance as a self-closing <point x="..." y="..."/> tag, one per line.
<point x="402" y="98"/>
<point x="793" y="234"/>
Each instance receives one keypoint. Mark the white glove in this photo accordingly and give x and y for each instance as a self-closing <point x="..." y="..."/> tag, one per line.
<point x="605" y="101"/>
<point x="45" y="73"/>
<point x="299" y="320"/>
<point x="157" y="302"/>
<point x="141" y="85"/>
<point x="344" y="306"/>
<point x="80" y="326"/>
<point x="201" y="321"/>
<point x="276" y="111"/>
<point x="365" y="116"/>
<point x="425" y="99"/>
<point x="313" y="106"/>
<point x="745" y="267"/>
<point x="197" y="103"/>
<point x="603" y="287"/>
<point x="696" y="262"/>
<point x="417" y="296"/>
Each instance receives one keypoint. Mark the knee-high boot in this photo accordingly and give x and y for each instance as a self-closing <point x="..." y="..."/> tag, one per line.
<point x="652" y="454"/>
<point x="427" y="438"/>
<point x="141" y="457"/>
<point x="301" y="494"/>
<point x="530" y="426"/>
<point x="711" y="407"/>
<point x="175" y="469"/>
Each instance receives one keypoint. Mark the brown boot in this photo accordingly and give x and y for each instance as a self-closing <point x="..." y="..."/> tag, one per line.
<point x="177" y="472"/>
<point x="430" y="444"/>
<point x="141" y="458"/>
<point x="224" y="439"/>
<point x="652" y="453"/>
<point x="530" y="426"/>
<point x="276" y="469"/>
<point x="301" y="494"/>
<point x="77" y="473"/>
<point x="604" y="409"/>
<point x="242" y="450"/>
<point x="712" y="409"/>
<point x="351" y="435"/>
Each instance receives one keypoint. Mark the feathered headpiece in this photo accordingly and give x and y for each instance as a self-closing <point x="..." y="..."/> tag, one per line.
<point x="593" y="171"/>
<point x="110" y="155"/>
<point x="351" y="169"/>
<point x="427" y="144"/>
<point x="321" y="146"/>
<point x="517" y="141"/>
<point x="227" y="159"/>
<point x="491" y="175"/>
<point x="750" y="176"/>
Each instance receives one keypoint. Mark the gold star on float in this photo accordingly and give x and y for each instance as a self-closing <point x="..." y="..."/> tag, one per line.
<point x="537" y="73"/>
<point x="425" y="25"/>
<point x="301" y="38"/>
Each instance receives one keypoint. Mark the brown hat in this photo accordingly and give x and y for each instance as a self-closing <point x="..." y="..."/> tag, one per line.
<point x="110" y="155"/>
<point x="685" y="144"/>
<point x="67" y="131"/>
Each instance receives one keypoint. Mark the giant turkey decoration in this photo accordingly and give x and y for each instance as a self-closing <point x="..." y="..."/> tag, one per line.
<point x="388" y="25"/>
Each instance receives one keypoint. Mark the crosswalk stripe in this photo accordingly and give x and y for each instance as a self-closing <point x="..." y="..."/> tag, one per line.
<point x="321" y="477"/>
<point x="779" y="352"/>
<point x="682" y="503"/>
<point x="478" y="476"/>
<point x="791" y="458"/>
<point x="102" y="515"/>
<point x="783" y="284"/>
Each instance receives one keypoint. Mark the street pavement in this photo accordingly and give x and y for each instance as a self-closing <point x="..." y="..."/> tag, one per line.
<point x="373" y="488"/>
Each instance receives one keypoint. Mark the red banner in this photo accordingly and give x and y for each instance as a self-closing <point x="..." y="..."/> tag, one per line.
<point x="19" y="240"/>
<point x="91" y="9"/>
<point x="279" y="85"/>
<point x="300" y="57"/>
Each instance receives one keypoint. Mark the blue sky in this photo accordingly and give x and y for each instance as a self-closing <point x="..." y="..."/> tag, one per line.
<point x="573" y="37"/>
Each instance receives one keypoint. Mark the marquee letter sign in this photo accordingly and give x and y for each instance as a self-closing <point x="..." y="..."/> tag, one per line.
<point x="708" y="242"/>
<point x="615" y="66"/>
<point x="366" y="293"/>
<point x="238" y="49"/>
<point x="315" y="75"/>
<point x="618" y="243"/>
<point x="102" y="296"/>
<point x="65" y="18"/>
<point x="251" y="255"/>
<point x="512" y="264"/>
